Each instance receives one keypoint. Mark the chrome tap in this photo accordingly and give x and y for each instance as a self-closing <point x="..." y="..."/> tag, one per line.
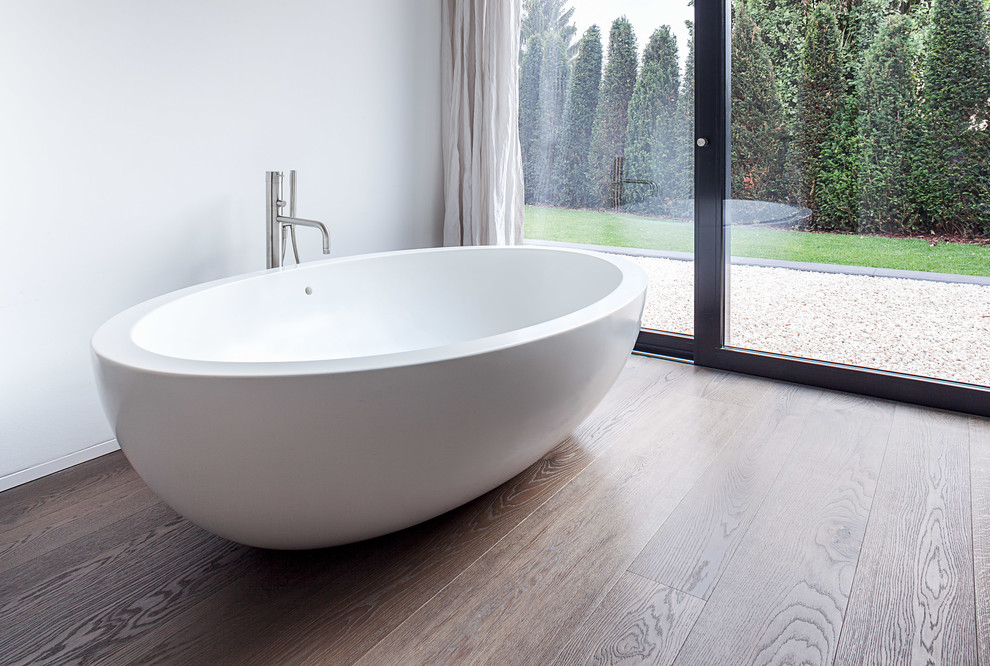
<point x="278" y="224"/>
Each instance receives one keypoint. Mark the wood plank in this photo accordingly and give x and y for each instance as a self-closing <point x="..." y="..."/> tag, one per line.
<point x="724" y="386"/>
<point x="522" y="601"/>
<point x="535" y="571"/>
<point x="345" y="600"/>
<point x="979" y="448"/>
<point x="85" y="613"/>
<point x="638" y="622"/>
<point x="68" y="487"/>
<point x="37" y="537"/>
<point x="643" y="380"/>
<point x="693" y="546"/>
<point x="912" y="599"/>
<point x="350" y="596"/>
<point x="783" y="594"/>
<point x="51" y="570"/>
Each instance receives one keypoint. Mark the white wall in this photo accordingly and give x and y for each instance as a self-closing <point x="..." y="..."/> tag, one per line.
<point x="134" y="140"/>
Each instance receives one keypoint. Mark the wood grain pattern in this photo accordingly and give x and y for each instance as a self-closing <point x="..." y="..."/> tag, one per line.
<point x="286" y="600"/>
<point x="724" y="386"/>
<point x="693" y="546"/>
<point x="638" y="622"/>
<point x="782" y="597"/>
<point x="37" y="537"/>
<point x="912" y="600"/>
<point x="346" y="599"/>
<point x="115" y="594"/>
<point x="72" y="486"/>
<point x="979" y="448"/>
<point x="535" y="570"/>
<point x="522" y="601"/>
<point x="52" y="571"/>
<point x="643" y="381"/>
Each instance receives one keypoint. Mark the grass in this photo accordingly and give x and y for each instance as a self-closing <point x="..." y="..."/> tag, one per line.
<point x="620" y="230"/>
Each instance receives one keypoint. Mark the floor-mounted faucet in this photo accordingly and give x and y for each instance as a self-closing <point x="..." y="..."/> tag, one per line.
<point x="279" y="224"/>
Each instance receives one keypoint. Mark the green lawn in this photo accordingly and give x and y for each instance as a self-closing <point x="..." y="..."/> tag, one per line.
<point x="620" y="230"/>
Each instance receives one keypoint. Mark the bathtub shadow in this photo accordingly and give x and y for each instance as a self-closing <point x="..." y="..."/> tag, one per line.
<point x="337" y="603"/>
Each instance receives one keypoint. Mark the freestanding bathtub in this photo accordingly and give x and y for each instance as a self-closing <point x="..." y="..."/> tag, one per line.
<point x="344" y="399"/>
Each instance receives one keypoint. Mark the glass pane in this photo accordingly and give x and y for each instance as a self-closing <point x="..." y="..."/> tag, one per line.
<point x="606" y="114"/>
<point x="859" y="216"/>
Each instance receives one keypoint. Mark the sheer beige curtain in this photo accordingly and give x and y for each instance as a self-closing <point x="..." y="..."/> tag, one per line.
<point x="483" y="186"/>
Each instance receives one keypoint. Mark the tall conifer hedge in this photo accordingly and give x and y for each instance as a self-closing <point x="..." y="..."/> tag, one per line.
<point x="571" y="167"/>
<point x="821" y="97"/>
<point x="876" y="115"/>
<point x="650" y="140"/>
<point x="952" y="155"/>
<point x="530" y="63"/>
<point x="608" y="138"/>
<point x="758" y="127"/>
<point x="885" y="88"/>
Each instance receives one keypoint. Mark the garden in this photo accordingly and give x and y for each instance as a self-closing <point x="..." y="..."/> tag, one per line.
<point x="871" y="114"/>
<point x="869" y="118"/>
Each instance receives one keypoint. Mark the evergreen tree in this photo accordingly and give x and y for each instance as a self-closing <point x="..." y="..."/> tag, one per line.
<point x="571" y="166"/>
<point x="683" y="187"/>
<point x="868" y="18"/>
<point x="548" y="16"/>
<point x="609" y="133"/>
<point x="836" y="201"/>
<point x="885" y="88"/>
<point x="530" y="63"/>
<point x="652" y="113"/>
<point x="547" y="33"/>
<point x="821" y="97"/>
<point x="782" y="24"/>
<point x="758" y="127"/>
<point x="554" y="75"/>
<point x="953" y="152"/>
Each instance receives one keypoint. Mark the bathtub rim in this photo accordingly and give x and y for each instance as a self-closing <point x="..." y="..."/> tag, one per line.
<point x="113" y="341"/>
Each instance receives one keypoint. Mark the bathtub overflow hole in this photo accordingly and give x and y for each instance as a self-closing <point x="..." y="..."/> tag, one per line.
<point x="309" y="290"/>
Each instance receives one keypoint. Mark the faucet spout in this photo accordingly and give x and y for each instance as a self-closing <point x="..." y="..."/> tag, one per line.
<point x="278" y="224"/>
<point x="298" y="221"/>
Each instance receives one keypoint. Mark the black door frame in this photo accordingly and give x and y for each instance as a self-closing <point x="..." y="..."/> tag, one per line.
<point x="711" y="270"/>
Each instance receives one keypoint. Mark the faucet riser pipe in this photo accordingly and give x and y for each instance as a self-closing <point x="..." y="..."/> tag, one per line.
<point x="273" y="236"/>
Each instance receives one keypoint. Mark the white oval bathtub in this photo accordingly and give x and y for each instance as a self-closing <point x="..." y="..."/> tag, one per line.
<point x="343" y="399"/>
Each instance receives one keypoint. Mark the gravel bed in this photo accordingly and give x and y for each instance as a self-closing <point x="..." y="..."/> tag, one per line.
<point x="932" y="329"/>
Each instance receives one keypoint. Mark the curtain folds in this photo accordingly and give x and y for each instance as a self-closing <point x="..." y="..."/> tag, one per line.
<point x="483" y="183"/>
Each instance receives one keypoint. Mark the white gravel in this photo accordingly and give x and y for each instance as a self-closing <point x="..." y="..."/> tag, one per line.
<point x="933" y="329"/>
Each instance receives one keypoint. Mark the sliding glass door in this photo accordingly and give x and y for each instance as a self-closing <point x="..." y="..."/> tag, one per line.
<point x="808" y="185"/>
<point x="843" y="214"/>
<point x="858" y="197"/>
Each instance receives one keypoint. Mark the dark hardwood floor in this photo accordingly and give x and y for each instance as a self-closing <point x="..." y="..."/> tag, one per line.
<point x="697" y="517"/>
